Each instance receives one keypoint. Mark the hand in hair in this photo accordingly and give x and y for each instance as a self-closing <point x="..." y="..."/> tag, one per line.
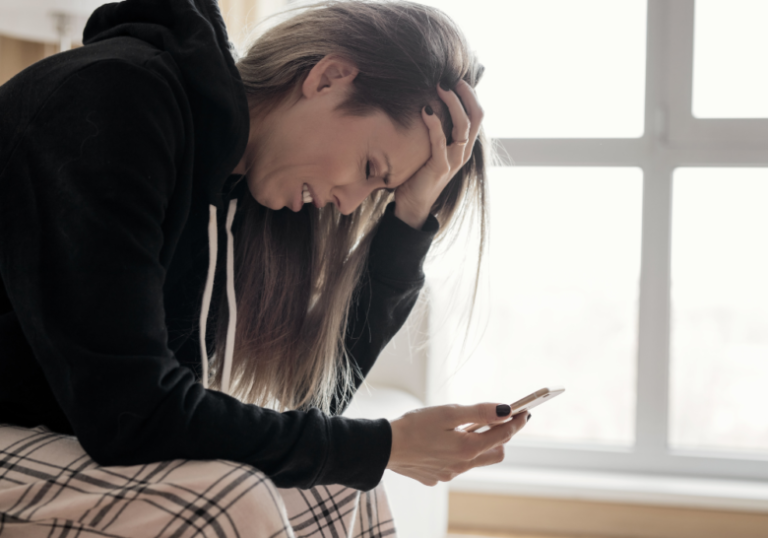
<point x="428" y="447"/>
<point x="416" y="196"/>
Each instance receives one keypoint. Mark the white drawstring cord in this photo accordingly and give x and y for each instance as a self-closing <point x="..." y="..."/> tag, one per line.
<point x="213" y="246"/>
<point x="229" y="348"/>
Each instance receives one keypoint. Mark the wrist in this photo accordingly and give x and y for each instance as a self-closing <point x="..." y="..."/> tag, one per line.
<point x="396" y="438"/>
<point x="413" y="218"/>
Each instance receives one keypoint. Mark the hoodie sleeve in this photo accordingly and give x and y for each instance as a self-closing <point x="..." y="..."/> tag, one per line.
<point x="83" y="202"/>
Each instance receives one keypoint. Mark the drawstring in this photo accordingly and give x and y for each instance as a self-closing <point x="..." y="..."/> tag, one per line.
<point x="229" y="348"/>
<point x="213" y="246"/>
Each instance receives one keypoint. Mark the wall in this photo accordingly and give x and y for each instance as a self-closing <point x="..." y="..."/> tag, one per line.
<point x="17" y="54"/>
<point x="241" y="16"/>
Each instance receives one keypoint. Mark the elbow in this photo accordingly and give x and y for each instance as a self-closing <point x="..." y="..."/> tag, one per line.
<point x="113" y="444"/>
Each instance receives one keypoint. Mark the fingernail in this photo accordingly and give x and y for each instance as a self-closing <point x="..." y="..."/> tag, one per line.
<point x="502" y="410"/>
<point x="528" y="418"/>
<point x="428" y="110"/>
<point x="444" y="86"/>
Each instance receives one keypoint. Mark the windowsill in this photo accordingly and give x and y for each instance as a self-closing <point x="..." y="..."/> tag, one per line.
<point x="616" y="487"/>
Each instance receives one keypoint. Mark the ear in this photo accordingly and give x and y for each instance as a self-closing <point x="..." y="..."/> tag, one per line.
<point x="331" y="74"/>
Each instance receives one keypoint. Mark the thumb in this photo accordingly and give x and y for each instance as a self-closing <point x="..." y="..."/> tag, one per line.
<point x="482" y="413"/>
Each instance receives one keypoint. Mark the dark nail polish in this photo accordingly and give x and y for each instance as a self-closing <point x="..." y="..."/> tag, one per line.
<point x="502" y="410"/>
<point x="428" y="109"/>
<point x="528" y="418"/>
<point x="444" y="86"/>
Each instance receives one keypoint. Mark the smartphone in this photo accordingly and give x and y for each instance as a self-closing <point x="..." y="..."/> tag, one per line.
<point x="523" y="405"/>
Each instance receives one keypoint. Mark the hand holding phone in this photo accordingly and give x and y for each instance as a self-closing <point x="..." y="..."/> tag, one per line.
<point x="523" y="405"/>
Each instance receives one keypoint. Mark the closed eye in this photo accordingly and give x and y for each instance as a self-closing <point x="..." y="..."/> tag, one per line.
<point x="368" y="173"/>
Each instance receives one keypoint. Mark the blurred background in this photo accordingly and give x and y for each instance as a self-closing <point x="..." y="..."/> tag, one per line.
<point x="627" y="259"/>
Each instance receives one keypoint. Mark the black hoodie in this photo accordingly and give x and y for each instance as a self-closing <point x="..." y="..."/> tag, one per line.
<point x="115" y="164"/>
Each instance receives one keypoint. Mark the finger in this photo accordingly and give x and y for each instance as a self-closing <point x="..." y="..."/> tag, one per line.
<point x="482" y="413"/>
<point x="474" y="112"/>
<point x="497" y="435"/>
<point x="478" y="428"/>
<point x="475" y="426"/>
<point x="438" y="162"/>
<point x="461" y="124"/>
<point x="489" y="457"/>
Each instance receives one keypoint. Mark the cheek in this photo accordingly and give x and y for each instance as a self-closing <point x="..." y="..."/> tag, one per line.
<point x="325" y="157"/>
<point x="422" y="149"/>
<point x="257" y="190"/>
<point x="331" y="169"/>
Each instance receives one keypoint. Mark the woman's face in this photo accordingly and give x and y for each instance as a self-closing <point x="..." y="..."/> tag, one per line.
<point x="341" y="159"/>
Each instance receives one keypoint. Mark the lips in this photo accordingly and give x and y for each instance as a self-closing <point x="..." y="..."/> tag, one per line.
<point x="297" y="203"/>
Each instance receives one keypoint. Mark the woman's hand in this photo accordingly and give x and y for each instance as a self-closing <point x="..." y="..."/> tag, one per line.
<point x="416" y="196"/>
<point x="427" y="447"/>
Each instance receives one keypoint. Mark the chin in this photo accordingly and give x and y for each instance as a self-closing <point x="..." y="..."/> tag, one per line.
<point x="264" y="202"/>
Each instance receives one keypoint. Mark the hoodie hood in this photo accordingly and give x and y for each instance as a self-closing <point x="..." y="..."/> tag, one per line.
<point x="193" y="33"/>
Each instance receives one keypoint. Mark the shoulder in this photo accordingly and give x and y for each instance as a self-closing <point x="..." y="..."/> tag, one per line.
<point x="120" y="71"/>
<point x="36" y="83"/>
<point x="121" y="85"/>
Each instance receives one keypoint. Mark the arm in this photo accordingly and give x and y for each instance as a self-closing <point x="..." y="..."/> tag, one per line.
<point x="82" y="213"/>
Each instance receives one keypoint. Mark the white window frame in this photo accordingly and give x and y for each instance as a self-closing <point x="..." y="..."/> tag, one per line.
<point x="673" y="138"/>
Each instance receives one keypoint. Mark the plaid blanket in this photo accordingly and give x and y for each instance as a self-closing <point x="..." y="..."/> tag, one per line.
<point x="49" y="487"/>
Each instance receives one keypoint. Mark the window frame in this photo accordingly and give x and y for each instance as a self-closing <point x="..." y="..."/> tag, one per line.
<point x="672" y="138"/>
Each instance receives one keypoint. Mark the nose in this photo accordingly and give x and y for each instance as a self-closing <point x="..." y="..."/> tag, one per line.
<point x="351" y="195"/>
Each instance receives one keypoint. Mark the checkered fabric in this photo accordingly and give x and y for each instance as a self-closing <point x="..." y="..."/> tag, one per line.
<point x="50" y="488"/>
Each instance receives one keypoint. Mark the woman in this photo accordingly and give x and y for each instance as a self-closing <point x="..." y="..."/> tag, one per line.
<point x="165" y="210"/>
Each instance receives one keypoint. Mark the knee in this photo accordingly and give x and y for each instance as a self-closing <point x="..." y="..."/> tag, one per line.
<point x="230" y="495"/>
<point x="220" y="476"/>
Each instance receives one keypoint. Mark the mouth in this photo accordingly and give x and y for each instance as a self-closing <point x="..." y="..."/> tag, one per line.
<point x="309" y="197"/>
<point x="297" y="203"/>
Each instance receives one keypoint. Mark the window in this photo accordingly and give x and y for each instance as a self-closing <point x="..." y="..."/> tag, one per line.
<point x="719" y="360"/>
<point x="729" y="48"/>
<point x="627" y="254"/>
<point x="563" y="272"/>
<point x="536" y="87"/>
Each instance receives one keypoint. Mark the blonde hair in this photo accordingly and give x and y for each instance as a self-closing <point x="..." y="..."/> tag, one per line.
<point x="296" y="274"/>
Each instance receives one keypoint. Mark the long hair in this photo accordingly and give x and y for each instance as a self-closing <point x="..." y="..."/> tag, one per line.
<point x="296" y="273"/>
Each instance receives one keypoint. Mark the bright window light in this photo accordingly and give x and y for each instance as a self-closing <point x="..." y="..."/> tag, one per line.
<point x="557" y="68"/>
<point x="730" y="77"/>
<point x="558" y="305"/>
<point x="719" y="360"/>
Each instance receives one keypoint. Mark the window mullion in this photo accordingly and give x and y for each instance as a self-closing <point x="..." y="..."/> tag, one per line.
<point x="652" y="412"/>
<point x="677" y="70"/>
